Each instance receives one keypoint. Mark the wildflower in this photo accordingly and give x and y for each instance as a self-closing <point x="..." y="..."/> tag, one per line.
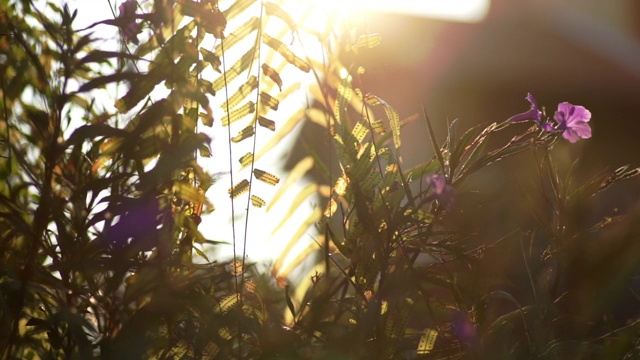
<point x="442" y="191"/>
<point x="572" y="121"/>
<point x="130" y="29"/>
<point x="533" y="114"/>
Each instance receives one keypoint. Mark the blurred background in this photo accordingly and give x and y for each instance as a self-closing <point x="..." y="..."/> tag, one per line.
<point x="479" y="69"/>
<point x="586" y="52"/>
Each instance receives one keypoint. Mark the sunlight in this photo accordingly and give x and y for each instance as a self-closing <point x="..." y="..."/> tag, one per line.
<point x="451" y="10"/>
<point x="266" y="242"/>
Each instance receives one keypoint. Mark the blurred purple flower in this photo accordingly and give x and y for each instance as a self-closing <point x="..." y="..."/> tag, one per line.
<point x="463" y="328"/>
<point x="533" y="114"/>
<point x="131" y="28"/>
<point x="442" y="192"/>
<point x="572" y="121"/>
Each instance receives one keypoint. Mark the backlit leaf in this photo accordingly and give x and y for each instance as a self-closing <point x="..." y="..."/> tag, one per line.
<point x="359" y="131"/>
<point x="239" y="113"/>
<point x="427" y="341"/>
<point x="211" y="58"/>
<point x="237" y="35"/>
<point x="240" y="188"/>
<point x="227" y="303"/>
<point x="368" y="41"/>
<point x="189" y="192"/>
<point x="140" y="89"/>
<point x="286" y="53"/>
<point x="244" y="91"/>
<point x="266" y="177"/>
<point x="378" y="127"/>
<point x="266" y="123"/>
<point x="298" y="171"/>
<point x="235" y="70"/>
<point x="275" y="10"/>
<point x="225" y="333"/>
<point x="392" y="115"/>
<point x="246" y="159"/>
<point x="244" y="134"/>
<point x="272" y="74"/>
<point x="257" y="202"/>
<point x="209" y="17"/>
<point x="237" y="7"/>
<point x="268" y="100"/>
<point x="235" y="268"/>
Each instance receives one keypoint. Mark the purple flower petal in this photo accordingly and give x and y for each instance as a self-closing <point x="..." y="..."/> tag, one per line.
<point x="442" y="191"/>
<point x="131" y="29"/>
<point x="547" y="126"/>
<point x="533" y="113"/>
<point x="572" y="120"/>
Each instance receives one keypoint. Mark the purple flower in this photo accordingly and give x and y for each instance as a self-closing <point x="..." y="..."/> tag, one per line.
<point x="442" y="191"/>
<point x="572" y="121"/>
<point x="533" y="114"/>
<point x="131" y="28"/>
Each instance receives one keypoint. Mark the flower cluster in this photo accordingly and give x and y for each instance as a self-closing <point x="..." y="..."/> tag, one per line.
<point x="572" y="120"/>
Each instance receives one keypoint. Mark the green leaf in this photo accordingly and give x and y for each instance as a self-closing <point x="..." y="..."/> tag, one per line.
<point x="434" y="142"/>
<point x="392" y="115"/>
<point x="289" y="302"/>
<point x="108" y="79"/>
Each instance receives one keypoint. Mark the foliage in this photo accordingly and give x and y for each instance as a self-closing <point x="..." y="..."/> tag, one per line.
<point x="99" y="210"/>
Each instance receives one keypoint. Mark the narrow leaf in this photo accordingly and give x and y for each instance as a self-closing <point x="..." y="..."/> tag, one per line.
<point x="378" y="127"/>
<point x="266" y="123"/>
<point x="434" y="142"/>
<point x="269" y="101"/>
<point x="240" y="188"/>
<point x="288" y="300"/>
<point x="286" y="53"/>
<point x="272" y="74"/>
<point x="211" y="59"/>
<point x="239" y="113"/>
<point x="427" y="341"/>
<point x="236" y="8"/>
<point x="266" y="177"/>
<point x="237" y="35"/>
<point x="244" y="91"/>
<point x="359" y="132"/>
<point x="392" y="115"/>
<point x="245" y="133"/>
<point x="235" y="70"/>
<point x="246" y="159"/>
<point x="227" y="303"/>
<point x="257" y="202"/>
<point x="275" y="10"/>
